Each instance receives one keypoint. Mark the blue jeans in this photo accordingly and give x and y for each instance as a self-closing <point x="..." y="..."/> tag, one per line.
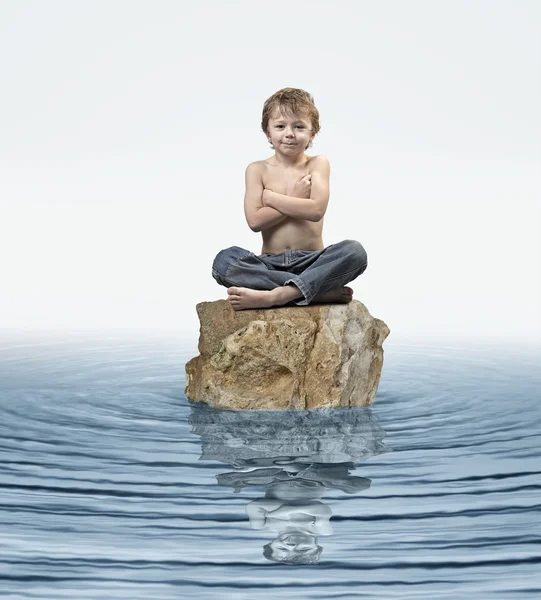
<point x="312" y="271"/>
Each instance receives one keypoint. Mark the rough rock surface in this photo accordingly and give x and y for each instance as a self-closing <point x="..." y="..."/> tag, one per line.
<point x="294" y="357"/>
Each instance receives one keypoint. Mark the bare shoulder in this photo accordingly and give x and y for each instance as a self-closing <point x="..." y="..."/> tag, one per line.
<point x="266" y="163"/>
<point x="255" y="167"/>
<point x="320" y="162"/>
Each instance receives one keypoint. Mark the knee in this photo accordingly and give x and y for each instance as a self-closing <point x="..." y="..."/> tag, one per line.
<point x="357" y="254"/>
<point x="224" y="259"/>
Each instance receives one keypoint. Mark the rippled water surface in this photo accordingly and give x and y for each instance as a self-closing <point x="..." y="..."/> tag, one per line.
<point x="113" y="485"/>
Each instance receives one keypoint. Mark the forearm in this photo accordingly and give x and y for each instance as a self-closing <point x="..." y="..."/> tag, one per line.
<point x="267" y="217"/>
<point x="256" y="514"/>
<point x="315" y="509"/>
<point x="298" y="208"/>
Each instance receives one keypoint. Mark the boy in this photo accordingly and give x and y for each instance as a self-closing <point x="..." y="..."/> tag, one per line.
<point x="286" y="198"/>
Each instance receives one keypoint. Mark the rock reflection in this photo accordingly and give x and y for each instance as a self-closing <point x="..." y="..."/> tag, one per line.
<point x="295" y="456"/>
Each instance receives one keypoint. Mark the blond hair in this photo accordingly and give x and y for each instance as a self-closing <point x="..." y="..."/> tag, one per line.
<point x="291" y="101"/>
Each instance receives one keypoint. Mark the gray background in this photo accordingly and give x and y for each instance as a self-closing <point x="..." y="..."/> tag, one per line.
<point x="126" y="127"/>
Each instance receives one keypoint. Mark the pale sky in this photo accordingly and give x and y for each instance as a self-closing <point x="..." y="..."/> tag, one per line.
<point x="126" y="127"/>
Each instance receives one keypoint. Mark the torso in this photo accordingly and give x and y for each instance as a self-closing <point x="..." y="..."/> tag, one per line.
<point x="295" y="234"/>
<point x="299" y="518"/>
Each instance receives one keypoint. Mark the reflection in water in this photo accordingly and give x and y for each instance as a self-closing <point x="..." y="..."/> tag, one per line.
<point x="295" y="456"/>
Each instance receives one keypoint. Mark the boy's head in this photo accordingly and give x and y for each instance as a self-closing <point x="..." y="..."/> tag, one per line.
<point x="294" y="548"/>
<point x="289" y="102"/>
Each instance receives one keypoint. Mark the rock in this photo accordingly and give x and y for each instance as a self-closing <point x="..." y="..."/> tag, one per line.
<point x="246" y="438"/>
<point x="295" y="357"/>
<point x="268" y="446"/>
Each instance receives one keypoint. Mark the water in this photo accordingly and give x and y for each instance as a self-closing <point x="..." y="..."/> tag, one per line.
<point x="113" y="486"/>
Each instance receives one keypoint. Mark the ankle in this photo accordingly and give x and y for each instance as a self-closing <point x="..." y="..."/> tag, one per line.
<point x="286" y="293"/>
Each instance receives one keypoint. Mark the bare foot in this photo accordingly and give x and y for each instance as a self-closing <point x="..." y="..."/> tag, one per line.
<point x="338" y="295"/>
<point x="242" y="298"/>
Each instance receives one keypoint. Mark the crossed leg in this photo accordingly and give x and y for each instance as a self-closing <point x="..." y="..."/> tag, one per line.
<point x="341" y="263"/>
<point x="242" y="298"/>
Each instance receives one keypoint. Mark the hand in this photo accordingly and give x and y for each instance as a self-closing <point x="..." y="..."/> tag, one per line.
<point x="303" y="186"/>
<point x="282" y="512"/>
<point x="265" y="197"/>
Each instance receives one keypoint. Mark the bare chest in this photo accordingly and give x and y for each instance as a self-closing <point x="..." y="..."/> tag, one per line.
<point x="282" y="181"/>
<point x="290" y="233"/>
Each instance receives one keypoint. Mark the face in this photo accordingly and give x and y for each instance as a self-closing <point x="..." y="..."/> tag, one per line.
<point x="289" y="134"/>
<point x="288" y="545"/>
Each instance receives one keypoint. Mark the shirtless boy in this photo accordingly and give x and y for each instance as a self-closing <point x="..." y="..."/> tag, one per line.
<point x="286" y="199"/>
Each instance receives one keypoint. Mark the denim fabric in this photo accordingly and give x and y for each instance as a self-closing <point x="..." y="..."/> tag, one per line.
<point x="312" y="271"/>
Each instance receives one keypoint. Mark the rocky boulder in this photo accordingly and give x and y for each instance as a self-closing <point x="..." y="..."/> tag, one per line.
<point x="295" y="357"/>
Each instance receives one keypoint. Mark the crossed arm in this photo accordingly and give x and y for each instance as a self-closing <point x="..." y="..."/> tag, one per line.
<point x="260" y="509"/>
<point x="264" y="208"/>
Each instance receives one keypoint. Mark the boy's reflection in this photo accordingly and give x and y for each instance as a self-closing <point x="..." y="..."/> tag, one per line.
<point x="295" y="456"/>
<point x="290" y="508"/>
<point x="291" y="505"/>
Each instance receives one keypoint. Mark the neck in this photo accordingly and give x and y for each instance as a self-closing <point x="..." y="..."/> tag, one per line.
<point x="290" y="161"/>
